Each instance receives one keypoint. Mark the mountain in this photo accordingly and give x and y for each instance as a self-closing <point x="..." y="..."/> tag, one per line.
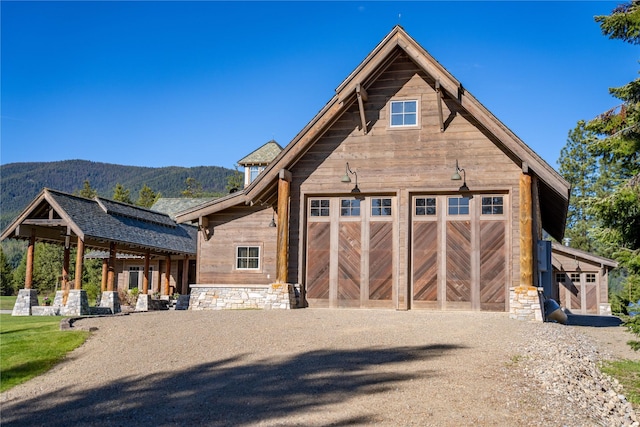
<point x="21" y="182"/>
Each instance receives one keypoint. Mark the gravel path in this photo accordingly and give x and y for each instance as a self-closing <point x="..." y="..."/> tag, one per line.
<point x="325" y="367"/>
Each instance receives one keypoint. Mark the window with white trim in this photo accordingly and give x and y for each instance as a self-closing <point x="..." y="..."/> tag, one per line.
<point x="590" y="278"/>
<point x="349" y="207"/>
<point x="458" y="205"/>
<point x="248" y="257"/>
<point x="404" y="113"/>
<point x="493" y="205"/>
<point x="561" y="277"/>
<point x="575" y="277"/>
<point x="380" y="207"/>
<point x="425" y="206"/>
<point x="254" y="171"/>
<point x="319" y="207"/>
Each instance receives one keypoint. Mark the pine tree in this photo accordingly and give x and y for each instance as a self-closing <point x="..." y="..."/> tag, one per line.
<point x="121" y="194"/>
<point x="147" y="197"/>
<point x="87" y="191"/>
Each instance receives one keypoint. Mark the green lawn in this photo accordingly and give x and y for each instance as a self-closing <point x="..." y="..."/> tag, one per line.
<point x="628" y="373"/>
<point x="6" y="303"/>
<point x="31" y="345"/>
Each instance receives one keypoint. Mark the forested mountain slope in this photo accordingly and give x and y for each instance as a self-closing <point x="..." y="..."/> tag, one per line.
<point x="21" y="182"/>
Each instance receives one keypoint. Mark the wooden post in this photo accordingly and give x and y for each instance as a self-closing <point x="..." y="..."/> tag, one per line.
<point x="105" y="273"/>
<point x="145" y="275"/>
<point x="526" y="232"/>
<point x="79" y="264"/>
<point x="284" y="188"/>
<point x="185" y="276"/>
<point x="167" y="276"/>
<point x="65" y="274"/>
<point x="28" y="277"/>
<point x="111" y="275"/>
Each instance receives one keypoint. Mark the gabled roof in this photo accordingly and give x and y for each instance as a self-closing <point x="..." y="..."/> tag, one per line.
<point x="582" y="255"/>
<point x="99" y="221"/>
<point x="263" y="155"/>
<point x="554" y="190"/>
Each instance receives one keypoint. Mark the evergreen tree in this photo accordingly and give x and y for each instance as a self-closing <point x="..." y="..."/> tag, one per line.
<point x="121" y="194"/>
<point x="235" y="181"/>
<point x="5" y="275"/>
<point x="579" y="167"/>
<point x="619" y="146"/>
<point x="147" y="197"/>
<point x="194" y="188"/>
<point x="87" y="191"/>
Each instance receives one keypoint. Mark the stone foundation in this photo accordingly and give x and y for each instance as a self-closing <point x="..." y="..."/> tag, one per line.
<point x="605" y="309"/>
<point x="239" y="297"/>
<point x="27" y="298"/>
<point x="77" y="303"/>
<point x="110" y="299"/>
<point x="146" y="303"/>
<point x="524" y="303"/>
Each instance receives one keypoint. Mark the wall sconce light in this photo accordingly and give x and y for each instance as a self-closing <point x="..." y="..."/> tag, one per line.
<point x="456" y="177"/>
<point x="273" y="220"/>
<point x="347" y="180"/>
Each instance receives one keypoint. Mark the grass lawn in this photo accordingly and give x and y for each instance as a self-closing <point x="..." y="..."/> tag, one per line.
<point x="628" y="373"/>
<point x="7" y="303"/>
<point x="31" y="345"/>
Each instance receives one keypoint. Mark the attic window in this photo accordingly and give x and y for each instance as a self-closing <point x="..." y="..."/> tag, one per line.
<point x="404" y="113"/>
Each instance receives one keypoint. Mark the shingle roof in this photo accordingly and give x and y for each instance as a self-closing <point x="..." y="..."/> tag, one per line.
<point x="100" y="220"/>
<point x="263" y="155"/>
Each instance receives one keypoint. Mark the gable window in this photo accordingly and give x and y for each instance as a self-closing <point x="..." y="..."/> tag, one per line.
<point x="380" y="207"/>
<point x="492" y="205"/>
<point x="349" y="207"/>
<point x="254" y="171"/>
<point x="426" y="206"/>
<point x="404" y="113"/>
<point x="320" y="207"/>
<point x="458" y="206"/>
<point x="248" y="257"/>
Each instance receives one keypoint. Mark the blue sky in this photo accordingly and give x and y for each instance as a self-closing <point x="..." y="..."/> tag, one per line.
<point x="205" y="83"/>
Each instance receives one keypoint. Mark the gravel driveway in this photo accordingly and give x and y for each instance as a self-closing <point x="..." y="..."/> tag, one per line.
<point x="308" y="367"/>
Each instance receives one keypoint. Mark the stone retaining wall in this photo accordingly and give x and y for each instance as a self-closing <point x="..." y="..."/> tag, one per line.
<point x="238" y="297"/>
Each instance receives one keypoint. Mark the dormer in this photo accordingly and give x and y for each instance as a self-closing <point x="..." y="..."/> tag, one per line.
<point x="255" y="162"/>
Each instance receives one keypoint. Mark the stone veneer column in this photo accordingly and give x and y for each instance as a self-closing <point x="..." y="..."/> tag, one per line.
<point x="27" y="297"/>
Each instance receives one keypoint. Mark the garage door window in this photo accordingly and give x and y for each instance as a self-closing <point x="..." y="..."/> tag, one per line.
<point x="380" y="207"/>
<point x="349" y="207"/>
<point x="425" y="206"/>
<point x="458" y="206"/>
<point x="492" y="205"/>
<point x="320" y="207"/>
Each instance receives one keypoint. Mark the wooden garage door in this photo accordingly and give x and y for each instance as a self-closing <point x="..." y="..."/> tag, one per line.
<point x="350" y="252"/>
<point x="458" y="264"/>
<point x="492" y="265"/>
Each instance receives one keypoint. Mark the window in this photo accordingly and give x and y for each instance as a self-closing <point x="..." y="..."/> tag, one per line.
<point x="561" y="277"/>
<point x="458" y="206"/>
<point x="426" y="206"/>
<point x="320" y="207"/>
<point x="590" y="278"/>
<point x="134" y="276"/>
<point x="492" y="205"/>
<point x="404" y="113"/>
<point x="254" y="171"/>
<point x="248" y="258"/>
<point x="575" y="277"/>
<point x="349" y="207"/>
<point x="380" y="207"/>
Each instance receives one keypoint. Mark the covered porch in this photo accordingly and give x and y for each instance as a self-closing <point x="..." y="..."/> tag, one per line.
<point x="105" y="225"/>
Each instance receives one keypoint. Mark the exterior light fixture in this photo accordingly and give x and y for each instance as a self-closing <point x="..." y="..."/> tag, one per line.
<point x="347" y="180"/>
<point x="456" y="177"/>
<point x="273" y="220"/>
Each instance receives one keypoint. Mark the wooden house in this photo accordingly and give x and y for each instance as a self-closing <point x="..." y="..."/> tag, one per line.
<point x="403" y="192"/>
<point x="581" y="280"/>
